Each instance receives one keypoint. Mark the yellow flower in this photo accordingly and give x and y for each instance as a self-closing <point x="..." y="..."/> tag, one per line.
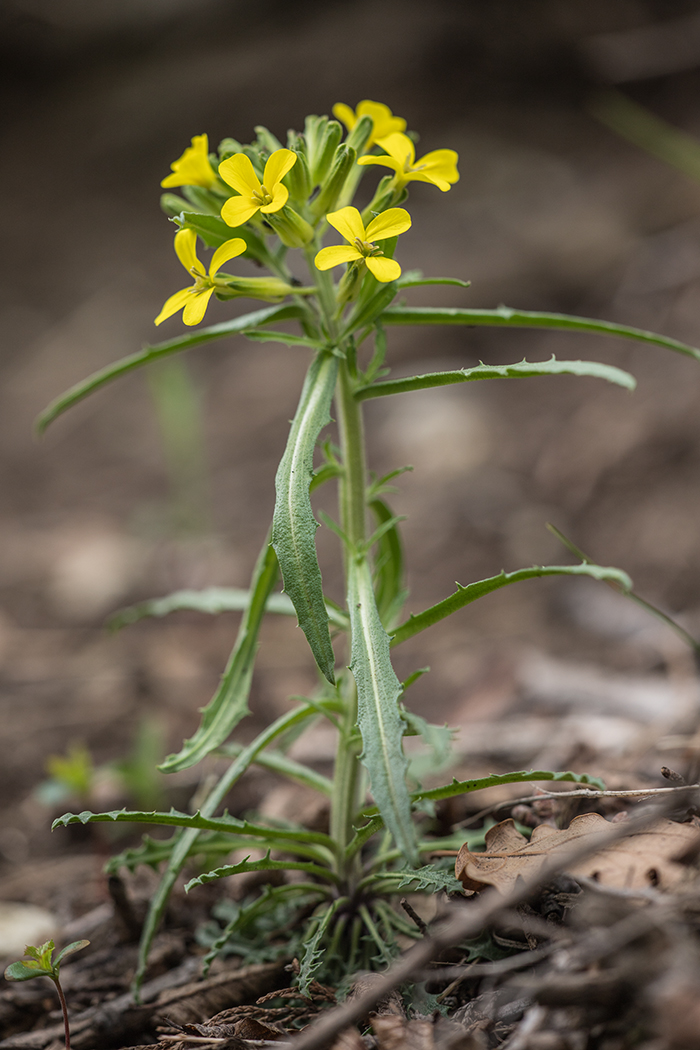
<point x="348" y="222"/>
<point x="385" y="123"/>
<point x="438" y="167"/>
<point x="193" y="167"/>
<point x="193" y="301"/>
<point x="267" y="196"/>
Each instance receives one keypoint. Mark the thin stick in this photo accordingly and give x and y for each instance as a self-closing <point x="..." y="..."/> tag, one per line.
<point x="640" y="793"/>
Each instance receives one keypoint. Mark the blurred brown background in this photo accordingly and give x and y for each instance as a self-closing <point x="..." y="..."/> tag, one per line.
<point x="553" y="211"/>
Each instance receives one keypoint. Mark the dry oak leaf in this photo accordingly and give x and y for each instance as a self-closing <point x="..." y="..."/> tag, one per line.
<point x="645" y="858"/>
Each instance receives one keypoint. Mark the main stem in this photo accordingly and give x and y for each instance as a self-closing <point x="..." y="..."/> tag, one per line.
<point x="353" y="521"/>
<point x="344" y="801"/>
<point x="64" y="1008"/>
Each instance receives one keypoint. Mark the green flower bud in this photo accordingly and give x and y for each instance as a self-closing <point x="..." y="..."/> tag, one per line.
<point x="360" y="134"/>
<point x="173" y="205"/>
<point x="298" y="180"/>
<point x="330" y="192"/>
<point x="266" y="140"/>
<point x="202" y="200"/>
<point x="291" y="229"/>
<point x="269" y="289"/>
<point x="314" y="128"/>
<point x="326" y="155"/>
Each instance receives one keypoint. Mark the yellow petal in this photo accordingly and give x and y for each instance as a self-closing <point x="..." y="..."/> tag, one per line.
<point x="347" y="222"/>
<point x="344" y="113"/>
<point x="173" y="304"/>
<point x="385" y="123"/>
<point x="400" y="147"/>
<point x="238" y="172"/>
<point x="185" y="245"/>
<point x="279" y="199"/>
<point x="238" y="210"/>
<point x="440" y="167"/>
<point x="388" y="223"/>
<point x="383" y="269"/>
<point x="386" y="162"/>
<point x="228" y="250"/>
<point x="196" y="308"/>
<point x="327" y="258"/>
<point x="193" y="167"/>
<point x="278" y="164"/>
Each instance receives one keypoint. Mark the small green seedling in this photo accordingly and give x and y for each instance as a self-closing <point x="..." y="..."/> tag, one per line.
<point x="40" y="964"/>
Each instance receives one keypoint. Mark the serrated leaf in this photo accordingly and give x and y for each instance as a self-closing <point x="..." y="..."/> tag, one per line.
<point x="426" y="879"/>
<point x="230" y="701"/>
<point x="128" y="364"/>
<point x="293" y="524"/>
<point x="261" y="865"/>
<point x="505" y="316"/>
<point x="465" y="595"/>
<point x="460" y="787"/>
<point x="296" y="840"/>
<point x="379" y="717"/>
<point x="312" y="952"/>
<point x="520" y="370"/>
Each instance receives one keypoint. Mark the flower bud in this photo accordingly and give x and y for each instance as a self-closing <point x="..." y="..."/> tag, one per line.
<point x="292" y="230"/>
<point x="329" y="144"/>
<point x="314" y="128"/>
<point x="298" y="180"/>
<point x="269" y="289"/>
<point x="266" y="140"/>
<point x="360" y="134"/>
<point x="330" y="192"/>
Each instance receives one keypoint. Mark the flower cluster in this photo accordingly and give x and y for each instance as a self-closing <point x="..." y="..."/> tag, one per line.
<point x="296" y="192"/>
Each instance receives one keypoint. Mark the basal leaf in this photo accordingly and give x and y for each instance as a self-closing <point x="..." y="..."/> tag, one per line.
<point x="262" y="865"/>
<point x="458" y="787"/>
<point x="521" y="370"/>
<point x="293" y="524"/>
<point x="504" y="316"/>
<point x="312" y="951"/>
<point x="211" y="600"/>
<point x="465" y="595"/>
<point x="230" y="702"/>
<point x="379" y="716"/>
<point x="152" y="353"/>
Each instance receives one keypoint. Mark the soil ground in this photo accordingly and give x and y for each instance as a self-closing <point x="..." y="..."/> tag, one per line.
<point x="552" y="212"/>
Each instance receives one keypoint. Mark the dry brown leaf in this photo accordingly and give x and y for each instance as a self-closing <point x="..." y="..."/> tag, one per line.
<point x="396" y="1033"/>
<point x="646" y="858"/>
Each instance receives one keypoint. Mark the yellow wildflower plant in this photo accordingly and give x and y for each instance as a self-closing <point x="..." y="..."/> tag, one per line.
<point x="193" y="167"/>
<point x="362" y="248"/>
<point x="267" y="196"/>
<point x="438" y="167"/>
<point x="385" y="123"/>
<point x="193" y="301"/>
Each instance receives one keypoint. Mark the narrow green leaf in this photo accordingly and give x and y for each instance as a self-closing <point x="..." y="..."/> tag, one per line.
<point x="280" y="763"/>
<point x="262" y="865"/>
<point x="389" y="584"/>
<point x="465" y="595"/>
<point x="301" y="837"/>
<point x="293" y="524"/>
<point x="438" y="740"/>
<point x="286" y="338"/>
<point x="522" y="776"/>
<point x="152" y="353"/>
<point x="528" y="319"/>
<point x="520" y="370"/>
<point x="211" y="600"/>
<point x="379" y="716"/>
<point x="230" y="701"/>
<point x="408" y="281"/>
<point x="631" y="595"/>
